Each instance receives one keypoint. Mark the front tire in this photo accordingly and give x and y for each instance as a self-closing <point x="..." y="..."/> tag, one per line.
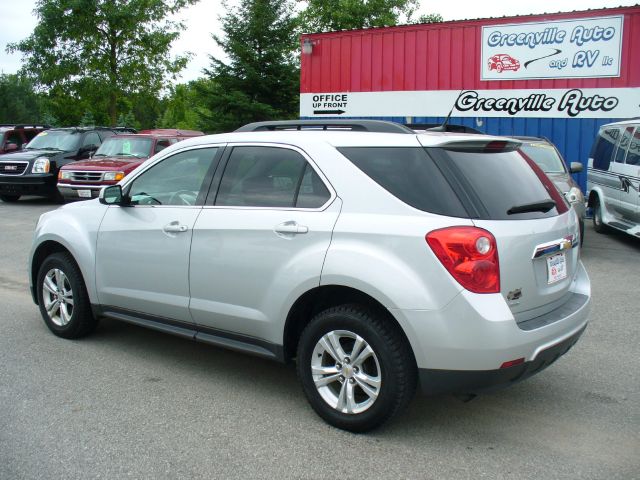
<point x="9" y="198"/>
<point x="598" y="224"/>
<point x="62" y="297"/>
<point x="355" y="367"/>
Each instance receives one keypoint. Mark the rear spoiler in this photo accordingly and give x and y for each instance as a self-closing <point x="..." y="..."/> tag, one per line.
<point x="487" y="145"/>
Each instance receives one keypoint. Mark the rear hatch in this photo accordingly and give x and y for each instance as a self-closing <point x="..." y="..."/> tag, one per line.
<point x="535" y="231"/>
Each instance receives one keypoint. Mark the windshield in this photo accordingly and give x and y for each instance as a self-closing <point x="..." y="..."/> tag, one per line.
<point x="545" y="156"/>
<point x="55" y="140"/>
<point x="125" y="147"/>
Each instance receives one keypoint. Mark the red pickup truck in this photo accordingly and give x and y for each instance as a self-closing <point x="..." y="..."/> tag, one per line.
<point x="117" y="157"/>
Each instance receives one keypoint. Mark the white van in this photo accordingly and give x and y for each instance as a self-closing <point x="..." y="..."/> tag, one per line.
<point x="613" y="177"/>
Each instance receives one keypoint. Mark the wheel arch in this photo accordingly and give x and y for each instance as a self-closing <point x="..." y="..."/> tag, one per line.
<point x="40" y="254"/>
<point x="594" y="195"/>
<point x="326" y="296"/>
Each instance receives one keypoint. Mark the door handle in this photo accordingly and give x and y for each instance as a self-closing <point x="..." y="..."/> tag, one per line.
<point x="175" y="227"/>
<point x="291" y="228"/>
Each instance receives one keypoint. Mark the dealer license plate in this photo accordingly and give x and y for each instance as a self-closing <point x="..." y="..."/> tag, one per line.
<point x="84" y="193"/>
<point x="556" y="268"/>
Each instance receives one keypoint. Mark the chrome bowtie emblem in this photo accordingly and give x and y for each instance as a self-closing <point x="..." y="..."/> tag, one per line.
<point x="514" y="295"/>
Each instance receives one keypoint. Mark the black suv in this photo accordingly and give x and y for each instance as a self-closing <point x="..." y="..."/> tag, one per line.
<point x="34" y="170"/>
<point x="13" y="137"/>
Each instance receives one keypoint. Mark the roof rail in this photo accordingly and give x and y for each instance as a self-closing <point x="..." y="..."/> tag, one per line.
<point x="32" y="125"/>
<point x="378" y="126"/>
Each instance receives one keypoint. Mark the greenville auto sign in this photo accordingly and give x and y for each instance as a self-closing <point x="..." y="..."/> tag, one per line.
<point x="580" y="48"/>
<point x="552" y="103"/>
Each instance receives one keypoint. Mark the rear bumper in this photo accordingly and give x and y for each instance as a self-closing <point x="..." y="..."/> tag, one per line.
<point x="436" y="382"/>
<point x="28" y="185"/>
<point x="462" y="346"/>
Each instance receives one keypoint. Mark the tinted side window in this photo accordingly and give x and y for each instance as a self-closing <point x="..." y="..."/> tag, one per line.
<point x="14" y="137"/>
<point x="633" y="155"/>
<point x="91" y="139"/>
<point x="603" y="148"/>
<point x="161" y="145"/>
<point x="313" y="192"/>
<point x="176" y="180"/>
<point x="410" y="175"/>
<point x="262" y="177"/>
<point x="621" y="151"/>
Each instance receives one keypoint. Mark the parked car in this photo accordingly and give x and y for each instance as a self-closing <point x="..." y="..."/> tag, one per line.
<point x="375" y="259"/>
<point x="613" y="178"/>
<point x="502" y="62"/>
<point x="116" y="158"/>
<point x="549" y="159"/>
<point x="13" y="137"/>
<point x="34" y="171"/>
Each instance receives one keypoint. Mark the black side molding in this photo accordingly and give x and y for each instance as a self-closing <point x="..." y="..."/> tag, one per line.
<point x="219" y="338"/>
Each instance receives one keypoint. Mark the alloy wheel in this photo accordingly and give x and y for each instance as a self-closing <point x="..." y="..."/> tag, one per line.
<point x="58" y="297"/>
<point x="346" y="371"/>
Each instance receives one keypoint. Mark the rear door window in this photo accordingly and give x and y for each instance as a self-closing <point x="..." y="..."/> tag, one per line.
<point x="603" y="148"/>
<point x="270" y="177"/>
<point x="621" y="151"/>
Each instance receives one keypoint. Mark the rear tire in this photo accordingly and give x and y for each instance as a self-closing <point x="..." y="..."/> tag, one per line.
<point x="374" y="376"/>
<point x="62" y="297"/>
<point x="9" y="198"/>
<point x="598" y="225"/>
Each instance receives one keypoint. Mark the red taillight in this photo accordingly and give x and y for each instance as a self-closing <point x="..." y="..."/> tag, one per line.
<point x="495" y="146"/>
<point x="470" y="255"/>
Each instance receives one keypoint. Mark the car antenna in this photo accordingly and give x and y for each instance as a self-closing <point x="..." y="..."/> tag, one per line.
<point x="443" y="127"/>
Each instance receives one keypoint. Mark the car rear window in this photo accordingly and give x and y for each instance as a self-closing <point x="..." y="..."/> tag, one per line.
<point x="499" y="181"/>
<point x="409" y="174"/>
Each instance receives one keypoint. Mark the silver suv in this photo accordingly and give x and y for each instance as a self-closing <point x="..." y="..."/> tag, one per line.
<point x="374" y="257"/>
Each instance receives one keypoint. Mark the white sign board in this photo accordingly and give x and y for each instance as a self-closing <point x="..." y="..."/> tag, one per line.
<point x="580" y="48"/>
<point x="555" y="103"/>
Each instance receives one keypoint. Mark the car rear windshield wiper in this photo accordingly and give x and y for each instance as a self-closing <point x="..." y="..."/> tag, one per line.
<point x="544" y="206"/>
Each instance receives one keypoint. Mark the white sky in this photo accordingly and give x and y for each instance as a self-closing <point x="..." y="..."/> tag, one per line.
<point x="202" y="19"/>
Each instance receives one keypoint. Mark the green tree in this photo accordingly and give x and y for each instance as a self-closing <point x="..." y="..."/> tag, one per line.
<point x="259" y="81"/>
<point x="430" y="18"/>
<point x="19" y="102"/>
<point x="332" y="15"/>
<point x="183" y="109"/>
<point x="87" y="119"/>
<point x="103" y="48"/>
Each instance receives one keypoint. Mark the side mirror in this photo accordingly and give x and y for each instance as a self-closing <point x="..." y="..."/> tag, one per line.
<point x="575" y="167"/>
<point x="11" y="147"/>
<point x="87" y="151"/>
<point x="112" y="195"/>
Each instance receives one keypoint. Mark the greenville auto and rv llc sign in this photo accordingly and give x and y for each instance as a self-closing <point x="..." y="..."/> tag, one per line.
<point x="549" y="103"/>
<point x="588" y="47"/>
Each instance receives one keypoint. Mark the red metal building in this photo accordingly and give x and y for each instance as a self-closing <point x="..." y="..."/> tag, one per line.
<point x="556" y="75"/>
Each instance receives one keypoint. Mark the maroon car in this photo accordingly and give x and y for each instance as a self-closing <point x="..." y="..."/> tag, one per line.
<point x="502" y="62"/>
<point x="14" y="137"/>
<point x="117" y="157"/>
